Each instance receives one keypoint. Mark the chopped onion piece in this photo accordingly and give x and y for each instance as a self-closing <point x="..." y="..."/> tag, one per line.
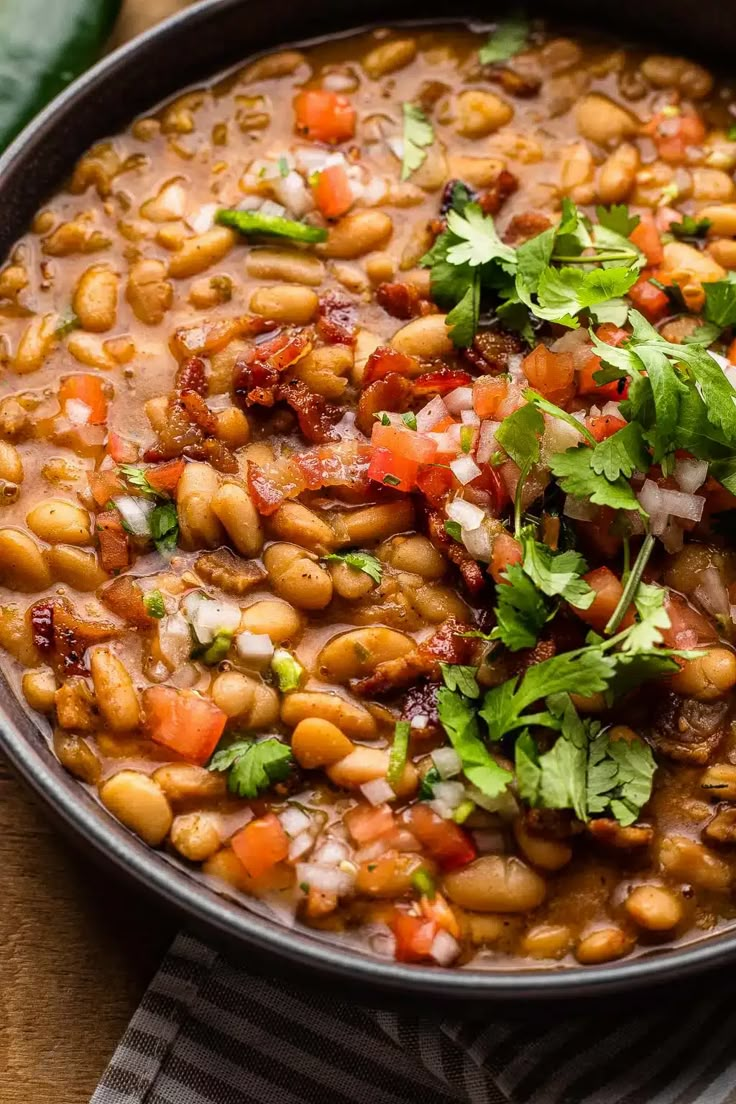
<point x="382" y="940"/>
<point x="478" y="543"/>
<point x="711" y="593"/>
<point x="445" y="948"/>
<point x="293" y="193"/>
<point x="451" y="794"/>
<point x="210" y="618"/>
<point x="445" y="442"/>
<point x="660" y="502"/>
<point x="325" y="879"/>
<point x="373" y="850"/>
<point x="77" y="411"/>
<point x="300" y="845"/>
<point x="174" y="640"/>
<point x="255" y="648"/>
<point x="396" y="145"/>
<point x="332" y="852"/>
<point x="272" y="210"/>
<point x="338" y="82"/>
<point x="579" y="509"/>
<point x="460" y="399"/>
<point x="505" y="804"/>
<point x="203" y="218"/>
<point x="464" y="469"/>
<point x="469" y="417"/>
<point x="487" y="443"/>
<point x="447" y="761"/>
<point x="571" y="341"/>
<point x="465" y="513"/>
<point x="691" y="474"/>
<point x="611" y="409"/>
<point x="294" y="821"/>
<point x="421" y="720"/>
<point x="377" y="791"/>
<point x="136" y="513"/>
<point x="431" y="414"/>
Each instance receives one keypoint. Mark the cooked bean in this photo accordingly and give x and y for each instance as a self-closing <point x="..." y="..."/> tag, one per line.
<point x="148" y="291"/>
<point x="708" y="676"/>
<point x="95" y="299"/>
<point x="248" y="699"/>
<point x="546" y="853"/>
<point x="285" y="266"/>
<point x="348" y="716"/>
<point x="357" y="653"/>
<point x="602" y="121"/>
<point x="117" y="699"/>
<point x="298" y="524"/>
<point x="723" y="252"/>
<point x="233" y="506"/>
<point x="664" y="71"/>
<point x="39" y="689"/>
<point x="603" y="945"/>
<point x="364" y="764"/>
<point x="296" y="576"/>
<point x="36" y="342"/>
<point x="712" y="186"/>
<point x="275" y="618"/>
<point x="325" y="368"/>
<point x="273" y="65"/>
<point x="427" y="338"/>
<point x="374" y="523"/>
<point x="722" y="219"/>
<point x="357" y="234"/>
<point x="233" y="427"/>
<point x="576" y="172"/>
<point x="653" y="907"/>
<point x="389" y="56"/>
<point x="11" y="465"/>
<point x="480" y="113"/>
<point x="22" y="566"/>
<point x="183" y="782"/>
<point x="196" y="836"/>
<point x="617" y="174"/>
<point x="547" y="941"/>
<point x="288" y="303"/>
<point x="198" y="253"/>
<point x="720" y="781"/>
<point x="16" y="635"/>
<point x="349" y="582"/>
<point x="683" y="262"/>
<point x="391" y="875"/>
<point x="57" y="521"/>
<point x="198" y="523"/>
<point x="689" y="861"/>
<point x="77" y="756"/>
<point x="494" y="883"/>
<point x="319" y="743"/>
<point x="139" y="803"/>
<point x="478" y="172"/>
<point x="436" y="603"/>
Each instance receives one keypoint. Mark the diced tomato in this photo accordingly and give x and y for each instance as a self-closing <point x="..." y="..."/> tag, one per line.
<point x="614" y="391"/>
<point x="88" y="390"/>
<point x="645" y="236"/>
<point x="436" y="908"/>
<point x="674" y="134"/>
<point x="121" y="450"/>
<point x="434" y="482"/>
<point x="446" y="841"/>
<point x="183" y="721"/>
<point x="164" y="477"/>
<point x="490" y="482"/>
<point x="261" y="844"/>
<point x="414" y="936"/>
<point x="114" y="550"/>
<point x="441" y="381"/>
<point x="332" y="192"/>
<point x="605" y="426"/>
<point x="688" y="627"/>
<point x="731" y="354"/>
<point x="385" y="360"/>
<point x="552" y="374"/>
<point x="324" y="116"/>
<point x="366" y="823"/>
<point x="393" y="470"/>
<point x="104" y="485"/>
<point x="608" y="591"/>
<point x="488" y="394"/>
<point x="612" y="335"/>
<point x="506" y="551"/>
<point x="653" y="303"/>
<point x="406" y="442"/>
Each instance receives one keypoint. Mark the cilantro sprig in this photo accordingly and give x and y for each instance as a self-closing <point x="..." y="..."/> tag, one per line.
<point x="252" y="766"/>
<point x="359" y="561"/>
<point x="417" y="137"/>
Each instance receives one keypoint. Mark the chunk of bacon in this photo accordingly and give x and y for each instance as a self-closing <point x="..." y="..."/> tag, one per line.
<point x="385" y="361"/>
<point x="526" y="226"/>
<point x="64" y="637"/>
<point x="402" y="300"/>
<point x="493" y="198"/>
<point x="124" y="597"/>
<point x="316" y="416"/>
<point x="192" y="376"/>
<point x="471" y="572"/>
<point x="114" y="549"/>
<point x="441" y="382"/>
<point x="447" y="645"/>
<point x="337" y="318"/>
<point x="257" y="373"/>
<point x="492" y="350"/>
<point x="393" y="392"/>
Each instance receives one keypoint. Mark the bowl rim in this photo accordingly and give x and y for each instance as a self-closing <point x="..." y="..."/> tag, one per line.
<point x="228" y="919"/>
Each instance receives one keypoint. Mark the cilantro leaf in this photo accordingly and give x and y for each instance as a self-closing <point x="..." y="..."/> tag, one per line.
<point x="622" y="453"/>
<point x="521" y="612"/>
<point x="508" y="39"/>
<point x="574" y="472"/>
<point x="652" y="616"/>
<point x="456" y="676"/>
<point x="563" y="292"/>
<point x="360" y="561"/>
<point x="720" y="301"/>
<point x="619" y="778"/>
<point x="519" y="435"/>
<point x="429" y="781"/>
<point x="478" y="243"/>
<point x="547" y="407"/>
<point x="558" y="777"/>
<point x="253" y="766"/>
<point x="457" y="717"/>
<point x="164" y="527"/>
<point x="690" y="227"/>
<point x="462" y="320"/>
<point x="556" y="574"/>
<point x="632" y="669"/>
<point x="418" y="134"/>
<point x="137" y="477"/>
<point x="153" y="602"/>
<point x="287" y="669"/>
<point x="618" y="219"/>
<point x="398" y="754"/>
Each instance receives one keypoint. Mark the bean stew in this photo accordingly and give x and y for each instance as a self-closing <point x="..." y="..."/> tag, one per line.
<point x="368" y="484"/>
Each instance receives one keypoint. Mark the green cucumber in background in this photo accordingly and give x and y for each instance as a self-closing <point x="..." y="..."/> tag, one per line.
<point x="45" y="44"/>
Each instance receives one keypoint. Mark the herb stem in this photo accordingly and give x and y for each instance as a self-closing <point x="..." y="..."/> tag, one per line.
<point x="627" y="560"/>
<point x="518" y="494"/>
<point x="598" y="258"/>
<point x="632" y="583"/>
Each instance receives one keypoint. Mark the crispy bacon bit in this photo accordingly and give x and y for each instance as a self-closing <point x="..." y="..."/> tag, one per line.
<point x="337" y="318"/>
<point x="227" y="571"/>
<point x="393" y="392"/>
<point x="124" y="597"/>
<point x="342" y="465"/>
<point x="469" y="569"/>
<point x="42" y="625"/>
<point x="208" y="337"/>
<point x="441" y="381"/>
<point x="450" y="644"/>
<point x="198" y="411"/>
<point x="257" y="373"/>
<point x="266" y="494"/>
<point x="421" y="701"/>
<point x="448" y="192"/>
<point x="400" y="300"/>
<point x="385" y="361"/>
<point x="610" y="833"/>
<point x="114" y="550"/>
<point x="492" y="200"/>
<point x="191" y="376"/>
<point x="315" y="415"/>
<point x="526" y="226"/>
<point x="688" y="731"/>
<point x="492" y="350"/>
<point x="522" y="85"/>
<point x="447" y="645"/>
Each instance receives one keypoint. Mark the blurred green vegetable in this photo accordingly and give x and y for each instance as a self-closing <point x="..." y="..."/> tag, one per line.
<point x="44" y="45"/>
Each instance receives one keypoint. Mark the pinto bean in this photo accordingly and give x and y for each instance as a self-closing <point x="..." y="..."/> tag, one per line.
<point x="357" y="234"/>
<point x="196" y="836"/>
<point x="541" y="851"/>
<point x="199" y="524"/>
<point x="494" y="883"/>
<point x="36" y="342"/>
<point x="348" y="716"/>
<point x="602" y="121"/>
<point x="357" y="653"/>
<point x="617" y="174"/>
<point x="141" y="805"/>
<point x="57" y="521"/>
<point x="287" y="303"/>
<point x="389" y="56"/>
<point x="234" y="508"/>
<point x="427" y="338"/>
<point x="198" y="253"/>
<point x="375" y="523"/>
<point x="274" y="618"/>
<point x="285" y="266"/>
<point x="39" y="689"/>
<point x="116" y="696"/>
<point x="148" y="291"/>
<point x="248" y="699"/>
<point x="22" y="566"/>
<point x="299" y="525"/>
<point x="688" y="861"/>
<point x="653" y="907"/>
<point x="480" y="113"/>
<point x="316" y="742"/>
<point x="95" y="299"/>
<point x="364" y="764"/>
<point x="603" y="945"/>
<point x="297" y="576"/>
<point x="708" y="676"/>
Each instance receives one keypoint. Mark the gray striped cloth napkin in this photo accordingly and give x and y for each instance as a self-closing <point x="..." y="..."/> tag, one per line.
<point x="209" y="1032"/>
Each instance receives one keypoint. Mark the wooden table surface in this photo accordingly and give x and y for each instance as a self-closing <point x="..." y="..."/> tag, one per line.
<point x="76" y="949"/>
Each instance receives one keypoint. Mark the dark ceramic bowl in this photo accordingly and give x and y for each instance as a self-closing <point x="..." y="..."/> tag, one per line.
<point x="197" y="44"/>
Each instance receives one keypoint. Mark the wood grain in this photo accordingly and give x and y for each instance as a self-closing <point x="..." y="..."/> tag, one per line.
<point x="76" y="949"/>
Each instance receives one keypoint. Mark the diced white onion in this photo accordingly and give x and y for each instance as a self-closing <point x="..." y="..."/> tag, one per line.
<point x="571" y="341"/>
<point x="660" y="503"/>
<point x="172" y="200"/>
<point x="294" y="821"/>
<point x="272" y="210"/>
<point x="338" y="82"/>
<point x="264" y="169"/>
<point x="431" y="414"/>
<point x="711" y="593"/>
<point x="460" y="399"/>
<point x="515" y="367"/>
<point x="451" y="794"/>
<point x="445" y="948"/>
<point x="504" y="804"/>
<point x="255" y="648"/>
<point x="210" y="618"/>
<point x="487" y="443"/>
<point x="421" y="720"/>
<point x="203" y="218"/>
<point x="611" y="409"/>
<point x="396" y="145"/>
<point x="382" y="940"/>
<point x="136" y="513"/>
<point x="373" y="850"/>
<point x="464" y="469"/>
<point x="300" y="845"/>
<point x="374" y="191"/>
<point x="469" y="417"/>
<point x="466" y="514"/>
<point x="310" y="159"/>
<point x="293" y="193"/>
<point x="77" y="411"/>
<point x="441" y="808"/>
<point x="445" y="442"/>
<point x="447" y="761"/>
<point x="325" y="879"/>
<point x="174" y="639"/>
<point x="478" y="543"/>
<point x="377" y="791"/>
<point x="332" y="852"/>
<point x="403" y="840"/>
<point x="579" y="509"/>
<point x="691" y="474"/>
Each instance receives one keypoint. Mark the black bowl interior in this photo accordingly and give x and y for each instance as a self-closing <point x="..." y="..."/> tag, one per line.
<point x="200" y="43"/>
